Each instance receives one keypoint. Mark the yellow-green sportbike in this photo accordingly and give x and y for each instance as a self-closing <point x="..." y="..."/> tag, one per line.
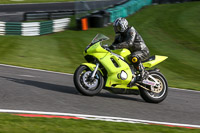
<point x="111" y="70"/>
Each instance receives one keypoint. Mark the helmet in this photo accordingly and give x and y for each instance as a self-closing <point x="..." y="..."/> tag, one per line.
<point x="120" y="25"/>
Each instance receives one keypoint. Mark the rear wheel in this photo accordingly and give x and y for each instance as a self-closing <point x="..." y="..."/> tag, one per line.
<point x="84" y="84"/>
<point x="159" y="92"/>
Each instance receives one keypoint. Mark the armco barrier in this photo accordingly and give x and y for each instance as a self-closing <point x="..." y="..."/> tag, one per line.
<point x="33" y="28"/>
<point x="127" y="8"/>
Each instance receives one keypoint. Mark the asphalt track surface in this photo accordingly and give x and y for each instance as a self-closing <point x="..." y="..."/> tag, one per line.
<point x="26" y="89"/>
<point x="15" y="12"/>
<point x="36" y="7"/>
<point x="56" y="6"/>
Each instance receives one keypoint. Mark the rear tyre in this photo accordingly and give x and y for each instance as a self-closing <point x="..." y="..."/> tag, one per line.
<point x="161" y="89"/>
<point x="84" y="85"/>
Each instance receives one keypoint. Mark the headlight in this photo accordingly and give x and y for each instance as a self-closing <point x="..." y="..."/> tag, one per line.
<point x="123" y="75"/>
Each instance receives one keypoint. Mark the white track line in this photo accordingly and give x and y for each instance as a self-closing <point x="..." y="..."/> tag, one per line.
<point x="104" y="118"/>
<point x="184" y="90"/>
<point x="33" y="69"/>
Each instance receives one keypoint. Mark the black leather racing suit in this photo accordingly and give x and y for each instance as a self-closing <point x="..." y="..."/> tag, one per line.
<point x="131" y="40"/>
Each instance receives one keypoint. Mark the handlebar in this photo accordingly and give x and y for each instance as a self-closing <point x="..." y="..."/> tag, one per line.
<point x="106" y="47"/>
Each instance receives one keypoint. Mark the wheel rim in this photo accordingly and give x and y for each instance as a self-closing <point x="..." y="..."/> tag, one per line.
<point x="86" y="83"/>
<point x="158" y="90"/>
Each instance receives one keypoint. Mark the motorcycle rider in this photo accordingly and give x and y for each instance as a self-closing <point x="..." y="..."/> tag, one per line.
<point x="128" y="37"/>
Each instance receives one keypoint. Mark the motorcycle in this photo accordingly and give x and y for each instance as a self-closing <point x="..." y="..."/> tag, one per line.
<point x="111" y="70"/>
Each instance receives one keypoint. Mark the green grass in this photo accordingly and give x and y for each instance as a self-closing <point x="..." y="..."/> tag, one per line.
<point x="172" y="30"/>
<point x="16" y="124"/>
<point x="31" y="1"/>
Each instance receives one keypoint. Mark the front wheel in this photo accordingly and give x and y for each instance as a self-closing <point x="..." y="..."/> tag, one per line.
<point x="84" y="84"/>
<point x="159" y="91"/>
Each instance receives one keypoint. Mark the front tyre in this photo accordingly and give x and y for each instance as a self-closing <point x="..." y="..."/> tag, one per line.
<point x="160" y="90"/>
<point x="84" y="84"/>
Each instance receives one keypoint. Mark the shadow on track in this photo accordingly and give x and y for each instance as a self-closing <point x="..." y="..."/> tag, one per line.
<point x="43" y="85"/>
<point x="65" y="89"/>
<point x="119" y="96"/>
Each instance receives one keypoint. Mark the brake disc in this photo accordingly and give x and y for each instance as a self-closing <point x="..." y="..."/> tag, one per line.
<point x="88" y="83"/>
<point x="158" y="87"/>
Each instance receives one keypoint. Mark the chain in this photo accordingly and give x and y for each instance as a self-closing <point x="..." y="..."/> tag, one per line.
<point x="144" y="87"/>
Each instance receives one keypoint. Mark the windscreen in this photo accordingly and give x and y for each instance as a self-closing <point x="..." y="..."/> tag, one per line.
<point x="99" y="37"/>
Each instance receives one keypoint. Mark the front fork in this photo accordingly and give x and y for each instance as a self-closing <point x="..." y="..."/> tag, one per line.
<point x="95" y="71"/>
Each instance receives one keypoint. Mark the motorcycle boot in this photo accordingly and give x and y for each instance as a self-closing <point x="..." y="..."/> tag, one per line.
<point x="134" y="76"/>
<point x="135" y="66"/>
<point x="143" y="74"/>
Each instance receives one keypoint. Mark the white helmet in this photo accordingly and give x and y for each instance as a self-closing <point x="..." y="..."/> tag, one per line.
<point x="120" y="25"/>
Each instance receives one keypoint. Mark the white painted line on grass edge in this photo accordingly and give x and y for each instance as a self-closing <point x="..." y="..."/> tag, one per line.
<point x="104" y="118"/>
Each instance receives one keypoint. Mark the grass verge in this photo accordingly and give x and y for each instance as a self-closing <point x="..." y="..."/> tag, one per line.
<point x="170" y="29"/>
<point x="17" y="124"/>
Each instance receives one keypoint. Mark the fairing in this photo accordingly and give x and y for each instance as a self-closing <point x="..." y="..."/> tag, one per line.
<point x="157" y="60"/>
<point x="113" y="64"/>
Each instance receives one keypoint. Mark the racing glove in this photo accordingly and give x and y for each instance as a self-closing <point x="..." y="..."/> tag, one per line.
<point x="112" y="47"/>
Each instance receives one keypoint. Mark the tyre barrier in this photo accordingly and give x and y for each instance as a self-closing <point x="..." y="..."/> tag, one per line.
<point x="102" y="18"/>
<point x="96" y="19"/>
<point x="34" y="28"/>
<point x="127" y="8"/>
